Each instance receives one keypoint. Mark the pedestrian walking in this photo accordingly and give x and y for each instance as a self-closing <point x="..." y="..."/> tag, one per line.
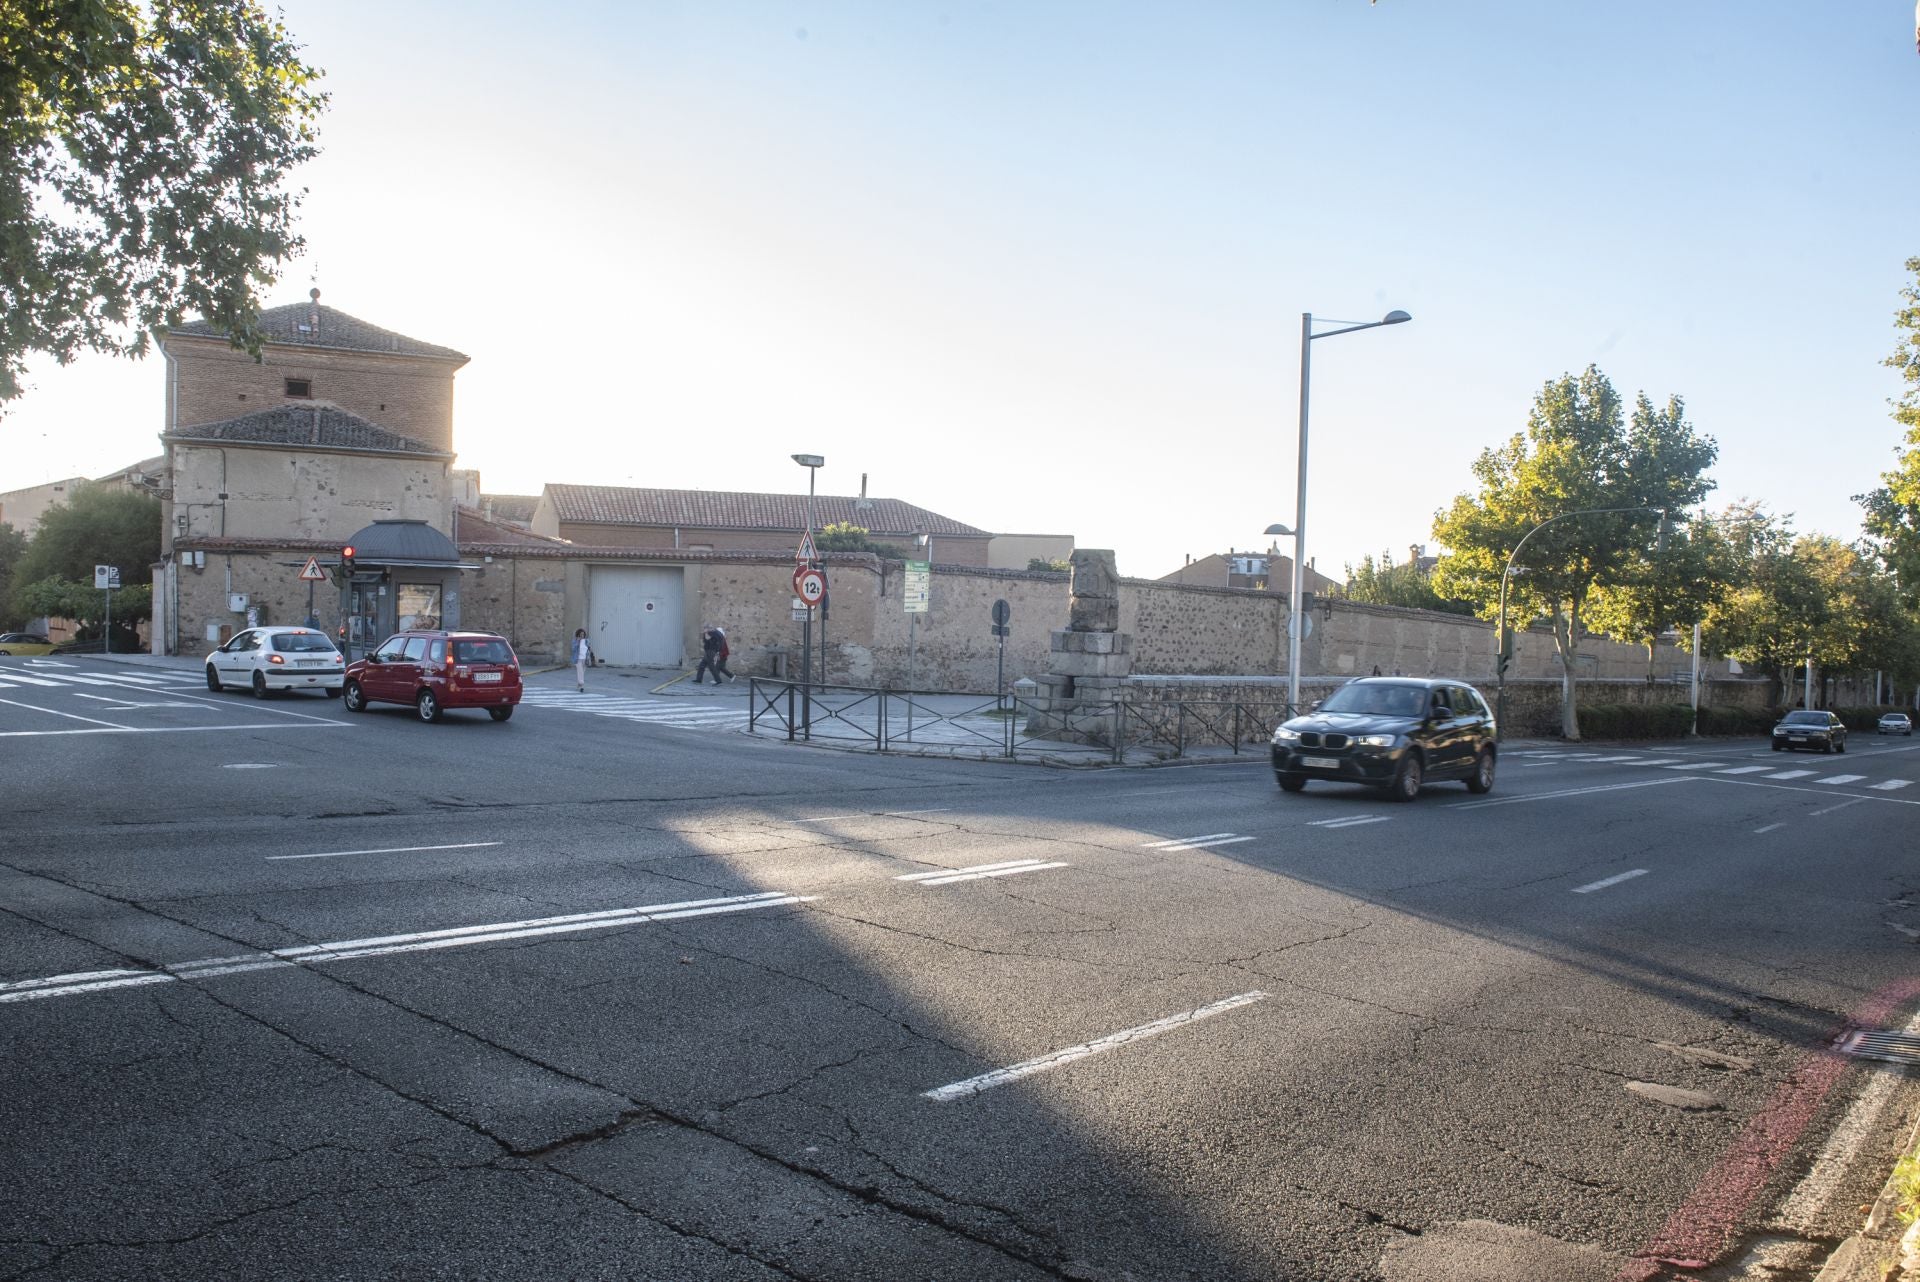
<point x="582" y="656"/>
<point x="713" y="646"/>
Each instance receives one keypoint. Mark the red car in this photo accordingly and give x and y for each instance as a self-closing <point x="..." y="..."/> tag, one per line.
<point x="436" y="670"/>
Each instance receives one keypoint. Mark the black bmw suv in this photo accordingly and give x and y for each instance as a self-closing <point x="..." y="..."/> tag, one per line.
<point x="1395" y="733"/>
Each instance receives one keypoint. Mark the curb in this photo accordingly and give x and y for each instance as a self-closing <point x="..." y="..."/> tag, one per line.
<point x="1874" y="1254"/>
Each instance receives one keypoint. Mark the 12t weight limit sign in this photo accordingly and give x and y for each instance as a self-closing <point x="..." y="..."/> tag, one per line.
<point x="810" y="586"/>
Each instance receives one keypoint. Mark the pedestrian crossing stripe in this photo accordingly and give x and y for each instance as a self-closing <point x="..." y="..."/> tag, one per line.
<point x="1716" y="767"/>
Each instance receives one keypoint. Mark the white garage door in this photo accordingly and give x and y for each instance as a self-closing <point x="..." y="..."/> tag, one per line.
<point x="633" y="614"/>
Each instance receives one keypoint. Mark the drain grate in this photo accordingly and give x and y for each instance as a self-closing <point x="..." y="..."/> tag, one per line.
<point x="1893" y="1047"/>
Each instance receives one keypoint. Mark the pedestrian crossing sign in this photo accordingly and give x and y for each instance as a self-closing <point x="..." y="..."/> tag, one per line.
<point x="311" y="571"/>
<point x="806" y="555"/>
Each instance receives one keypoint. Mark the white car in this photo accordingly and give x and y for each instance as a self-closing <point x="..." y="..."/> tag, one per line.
<point x="1896" y="723"/>
<point x="269" y="659"/>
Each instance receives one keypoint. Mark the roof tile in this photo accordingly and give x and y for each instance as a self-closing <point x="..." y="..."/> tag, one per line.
<point x="730" y="510"/>
<point x="294" y="325"/>
<point x="313" y="425"/>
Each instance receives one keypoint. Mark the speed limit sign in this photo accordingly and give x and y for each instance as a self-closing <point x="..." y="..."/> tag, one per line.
<point x="811" y="585"/>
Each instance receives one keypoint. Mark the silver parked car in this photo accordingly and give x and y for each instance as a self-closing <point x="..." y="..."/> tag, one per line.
<point x="1896" y="723"/>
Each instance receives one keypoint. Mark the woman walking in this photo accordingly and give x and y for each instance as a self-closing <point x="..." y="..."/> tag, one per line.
<point x="582" y="655"/>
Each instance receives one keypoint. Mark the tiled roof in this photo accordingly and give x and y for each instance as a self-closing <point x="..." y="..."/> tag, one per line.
<point x="145" y="467"/>
<point x="516" y="509"/>
<point x="728" y="510"/>
<point x="295" y="326"/>
<point x="312" y="425"/>
<point x="470" y="526"/>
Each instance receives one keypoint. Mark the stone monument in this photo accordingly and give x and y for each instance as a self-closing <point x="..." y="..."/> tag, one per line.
<point x="1088" y="661"/>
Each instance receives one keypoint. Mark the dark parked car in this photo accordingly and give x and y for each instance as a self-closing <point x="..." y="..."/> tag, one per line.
<point x="436" y="670"/>
<point x="1395" y="733"/>
<point x="1805" y="728"/>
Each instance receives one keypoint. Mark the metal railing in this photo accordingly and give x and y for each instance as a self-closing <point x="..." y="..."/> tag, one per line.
<point x="885" y="720"/>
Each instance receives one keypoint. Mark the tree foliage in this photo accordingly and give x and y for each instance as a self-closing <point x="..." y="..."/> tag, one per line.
<point x="81" y="601"/>
<point x="95" y="526"/>
<point x="845" y="536"/>
<point x="1893" y="510"/>
<point x="1059" y="563"/>
<point x="13" y="545"/>
<point x="144" y="151"/>
<point x="1580" y="453"/>
<point x="1404" y="585"/>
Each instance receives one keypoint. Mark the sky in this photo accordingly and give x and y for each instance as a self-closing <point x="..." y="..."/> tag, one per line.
<point x="1040" y="266"/>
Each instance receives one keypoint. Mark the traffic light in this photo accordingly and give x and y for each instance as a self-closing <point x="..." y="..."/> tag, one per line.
<point x="1503" y="656"/>
<point x="346" y="558"/>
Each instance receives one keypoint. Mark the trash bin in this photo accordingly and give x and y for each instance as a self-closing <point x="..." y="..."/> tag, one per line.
<point x="782" y="659"/>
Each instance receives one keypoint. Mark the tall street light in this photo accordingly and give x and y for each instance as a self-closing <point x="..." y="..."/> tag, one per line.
<point x="1295" y="625"/>
<point x="1503" y="653"/>
<point x="813" y="463"/>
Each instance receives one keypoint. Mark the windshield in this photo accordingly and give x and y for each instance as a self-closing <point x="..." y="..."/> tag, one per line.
<point x="301" y="642"/>
<point x="1378" y="700"/>
<point x="486" y="650"/>
<point x="1806" y="718"/>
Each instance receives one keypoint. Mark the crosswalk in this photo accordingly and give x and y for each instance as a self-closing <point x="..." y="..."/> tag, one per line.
<point x="46" y="675"/>
<point x="674" y="713"/>
<point x="1769" y="771"/>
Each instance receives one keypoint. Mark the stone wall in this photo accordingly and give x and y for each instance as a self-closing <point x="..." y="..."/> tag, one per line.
<point x="290" y="494"/>
<point x="411" y="395"/>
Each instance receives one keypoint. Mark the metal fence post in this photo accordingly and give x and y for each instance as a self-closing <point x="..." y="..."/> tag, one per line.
<point x="881" y="729"/>
<point x="1236" y="729"/>
<point x="789" y="712"/>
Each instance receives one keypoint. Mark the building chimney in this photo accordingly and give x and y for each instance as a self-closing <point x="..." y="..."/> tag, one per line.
<point x="863" y="485"/>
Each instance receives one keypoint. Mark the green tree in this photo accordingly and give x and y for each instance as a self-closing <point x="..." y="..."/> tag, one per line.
<point x="13" y="545"/>
<point x="1671" y="585"/>
<point x="95" y="526"/>
<point x="88" y="606"/>
<point x="1893" y="510"/>
<point x="1044" y="563"/>
<point x="1404" y="585"/>
<point x="1578" y="453"/>
<point x="845" y="536"/>
<point x="144" y="152"/>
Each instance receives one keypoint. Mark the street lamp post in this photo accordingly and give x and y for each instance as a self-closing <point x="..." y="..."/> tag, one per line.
<point x="813" y="463"/>
<point x="1295" y="622"/>
<point x="1501" y="655"/>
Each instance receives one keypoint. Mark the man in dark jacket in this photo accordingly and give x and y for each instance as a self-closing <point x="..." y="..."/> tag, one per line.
<point x="713" y="656"/>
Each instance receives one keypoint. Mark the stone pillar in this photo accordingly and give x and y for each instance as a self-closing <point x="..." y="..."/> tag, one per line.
<point x="1088" y="661"/>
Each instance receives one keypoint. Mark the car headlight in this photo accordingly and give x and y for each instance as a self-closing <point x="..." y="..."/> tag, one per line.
<point x="1284" y="735"/>
<point x="1376" y="740"/>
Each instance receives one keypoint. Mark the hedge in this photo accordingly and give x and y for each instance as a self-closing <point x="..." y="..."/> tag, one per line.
<point x="1636" y="721"/>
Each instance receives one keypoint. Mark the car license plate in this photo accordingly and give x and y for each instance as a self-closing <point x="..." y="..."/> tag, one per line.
<point x="486" y="678"/>
<point x="1320" y="763"/>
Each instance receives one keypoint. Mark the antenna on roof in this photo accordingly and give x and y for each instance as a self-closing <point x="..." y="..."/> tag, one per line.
<point x="313" y="309"/>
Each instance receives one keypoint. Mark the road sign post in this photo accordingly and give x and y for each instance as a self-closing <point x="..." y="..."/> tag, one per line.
<point x="1002" y="612"/>
<point x="107" y="578"/>
<point x="915" y="589"/>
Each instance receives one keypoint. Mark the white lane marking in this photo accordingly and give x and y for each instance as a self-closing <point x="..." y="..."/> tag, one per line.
<point x="995" y="872"/>
<point x="1628" y="757"/>
<point x="1790" y="774"/>
<point x="1181" y="841"/>
<point x="1743" y="770"/>
<point x="1209" y="843"/>
<point x="1810" y="1196"/>
<point x="1768" y="828"/>
<point x="228" y="729"/>
<point x="1604" y="882"/>
<point x="1833" y="779"/>
<point x="873" y="814"/>
<point x="1027" y="1068"/>
<point x="390" y="850"/>
<point x="1348" y="821"/>
<point x="1892" y="784"/>
<point x="385" y="945"/>
<point x="18" y="675"/>
<point x="1842" y="806"/>
<point x="34" y="707"/>
<point x="948" y="872"/>
<point x="250" y="765"/>
<point x="1564" y="792"/>
<point x="1696" y="765"/>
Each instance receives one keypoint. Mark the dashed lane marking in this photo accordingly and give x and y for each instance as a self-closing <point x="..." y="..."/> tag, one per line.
<point x="948" y="876"/>
<point x="1891" y="784"/>
<point x="1196" y="843"/>
<point x="1743" y="770"/>
<point x="72" y="985"/>
<point x="1604" y="882"/>
<point x="1790" y="774"/>
<point x="1696" y="765"/>
<point x="1058" y="1059"/>
<point x="1348" y="821"/>
<point x="1833" y="779"/>
<point x="389" y="850"/>
<point x="1768" y="828"/>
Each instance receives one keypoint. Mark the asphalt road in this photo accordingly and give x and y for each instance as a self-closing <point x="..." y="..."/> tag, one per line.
<point x="291" y="993"/>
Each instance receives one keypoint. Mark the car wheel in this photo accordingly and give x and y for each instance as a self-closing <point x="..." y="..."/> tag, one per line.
<point x="1841" y="746"/>
<point x="1406" y="782"/>
<point x="260" y="690"/>
<point x="427" y="705"/>
<point x="500" y="714"/>
<point x="354" y="697"/>
<point x="1481" y="780"/>
<point x="213" y="680"/>
<point x="1779" y="747"/>
<point x="1290" y="783"/>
